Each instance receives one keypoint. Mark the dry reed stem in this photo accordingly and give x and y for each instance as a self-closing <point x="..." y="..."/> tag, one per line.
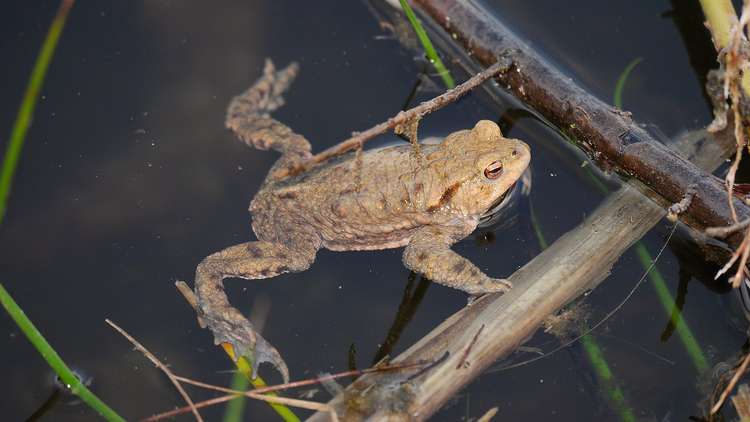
<point x="735" y="64"/>
<point x="488" y="415"/>
<point x="159" y="365"/>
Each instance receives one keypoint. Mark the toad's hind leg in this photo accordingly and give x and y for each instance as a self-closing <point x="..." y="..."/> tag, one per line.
<point x="251" y="260"/>
<point x="248" y="115"/>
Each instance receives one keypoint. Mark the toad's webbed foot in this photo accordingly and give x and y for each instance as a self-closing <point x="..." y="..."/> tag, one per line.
<point x="251" y="260"/>
<point x="231" y="327"/>
<point x="429" y="253"/>
<point x="248" y="115"/>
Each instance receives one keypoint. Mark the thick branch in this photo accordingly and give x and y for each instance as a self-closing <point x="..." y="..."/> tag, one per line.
<point x="607" y="134"/>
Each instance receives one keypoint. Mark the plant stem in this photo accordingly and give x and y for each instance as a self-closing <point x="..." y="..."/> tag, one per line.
<point x="722" y="18"/>
<point x="243" y="365"/>
<point x="604" y="374"/>
<point x="53" y="359"/>
<point x="429" y="49"/>
<point x="667" y="301"/>
<point x="620" y="85"/>
<point x="26" y="111"/>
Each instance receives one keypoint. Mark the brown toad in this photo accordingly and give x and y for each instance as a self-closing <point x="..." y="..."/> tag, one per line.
<point x="392" y="197"/>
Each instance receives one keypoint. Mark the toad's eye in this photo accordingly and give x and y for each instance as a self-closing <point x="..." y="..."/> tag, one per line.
<point x="494" y="170"/>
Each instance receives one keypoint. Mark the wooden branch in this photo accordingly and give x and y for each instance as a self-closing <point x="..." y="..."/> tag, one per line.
<point x="608" y="135"/>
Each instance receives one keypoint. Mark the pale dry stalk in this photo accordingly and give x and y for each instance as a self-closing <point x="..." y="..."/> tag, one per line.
<point x="159" y="365"/>
<point x="735" y="65"/>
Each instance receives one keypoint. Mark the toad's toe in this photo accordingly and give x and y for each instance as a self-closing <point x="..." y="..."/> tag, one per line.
<point x="246" y="342"/>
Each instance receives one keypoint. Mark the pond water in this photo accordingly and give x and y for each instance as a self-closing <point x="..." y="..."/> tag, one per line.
<point x="128" y="179"/>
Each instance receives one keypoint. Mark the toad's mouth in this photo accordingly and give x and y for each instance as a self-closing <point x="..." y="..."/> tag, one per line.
<point x="499" y="203"/>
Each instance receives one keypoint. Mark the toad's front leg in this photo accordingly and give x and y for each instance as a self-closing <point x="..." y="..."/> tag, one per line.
<point x="251" y="260"/>
<point x="429" y="253"/>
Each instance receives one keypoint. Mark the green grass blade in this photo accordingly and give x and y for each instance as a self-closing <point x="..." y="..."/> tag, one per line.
<point x="429" y="49"/>
<point x="667" y="301"/>
<point x="53" y="359"/>
<point x="606" y="379"/>
<point x="620" y="85"/>
<point x="10" y="163"/>
<point x="660" y="286"/>
<point x="236" y="407"/>
<point x="26" y="111"/>
<point x="537" y="228"/>
<point x="244" y="367"/>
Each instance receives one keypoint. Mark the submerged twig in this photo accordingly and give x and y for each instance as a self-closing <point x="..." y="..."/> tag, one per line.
<point x="159" y="365"/>
<point x="402" y="118"/>
<point x="463" y="361"/>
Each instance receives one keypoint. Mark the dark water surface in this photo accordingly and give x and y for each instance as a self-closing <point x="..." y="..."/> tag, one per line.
<point x="129" y="179"/>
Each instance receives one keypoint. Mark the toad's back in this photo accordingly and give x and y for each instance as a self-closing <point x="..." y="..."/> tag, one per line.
<point x="373" y="204"/>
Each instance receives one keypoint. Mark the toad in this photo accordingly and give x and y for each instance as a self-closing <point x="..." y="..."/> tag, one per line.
<point x="424" y="200"/>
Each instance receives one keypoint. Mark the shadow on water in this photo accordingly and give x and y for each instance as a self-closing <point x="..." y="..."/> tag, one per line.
<point x="406" y="309"/>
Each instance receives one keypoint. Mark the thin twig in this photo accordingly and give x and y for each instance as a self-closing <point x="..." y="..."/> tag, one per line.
<point x="187" y="293"/>
<point x="232" y="394"/>
<point x="305" y="404"/>
<point x="401" y="118"/>
<point x="741" y="252"/>
<point x="725" y="231"/>
<point x="159" y="365"/>
<point x="353" y="373"/>
<point x="738" y="275"/>
<point x="435" y="363"/>
<point x="741" y="370"/>
<point x="271" y="399"/>
<point x="258" y="393"/>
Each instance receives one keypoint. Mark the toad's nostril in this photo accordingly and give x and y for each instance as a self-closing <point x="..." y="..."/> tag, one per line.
<point x="514" y="153"/>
